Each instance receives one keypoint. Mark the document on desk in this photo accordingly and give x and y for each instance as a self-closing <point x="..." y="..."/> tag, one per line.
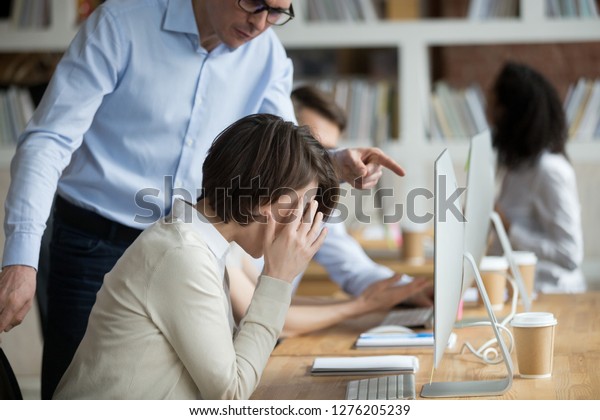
<point x="400" y="340"/>
<point x="364" y="365"/>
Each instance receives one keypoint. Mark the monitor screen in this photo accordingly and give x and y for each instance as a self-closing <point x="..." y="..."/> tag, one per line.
<point x="448" y="255"/>
<point x="479" y="202"/>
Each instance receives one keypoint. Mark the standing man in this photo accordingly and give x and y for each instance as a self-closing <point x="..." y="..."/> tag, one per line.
<point x="123" y="127"/>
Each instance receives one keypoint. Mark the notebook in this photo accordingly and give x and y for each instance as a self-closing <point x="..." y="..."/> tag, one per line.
<point x="364" y="365"/>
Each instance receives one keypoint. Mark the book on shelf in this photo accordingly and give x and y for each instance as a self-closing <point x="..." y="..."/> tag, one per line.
<point x="341" y="10"/>
<point x="368" y="10"/>
<point x="456" y="113"/>
<point x="572" y="8"/>
<point x="368" y="105"/>
<point x="491" y="9"/>
<point x="30" y="14"/>
<point x="16" y="109"/>
<point x="589" y="119"/>
<point x="403" y="9"/>
<point x="573" y="100"/>
<point x="582" y="109"/>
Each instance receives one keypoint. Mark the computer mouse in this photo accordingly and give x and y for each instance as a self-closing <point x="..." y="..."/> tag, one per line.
<point x="390" y="329"/>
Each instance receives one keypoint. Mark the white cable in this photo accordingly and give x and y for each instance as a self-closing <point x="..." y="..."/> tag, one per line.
<point x="486" y="352"/>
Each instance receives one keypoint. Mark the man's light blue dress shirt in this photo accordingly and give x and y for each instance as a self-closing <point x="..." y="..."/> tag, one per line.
<point x="134" y="111"/>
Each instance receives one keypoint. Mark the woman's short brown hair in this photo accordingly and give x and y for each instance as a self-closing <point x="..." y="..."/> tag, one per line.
<point x="258" y="159"/>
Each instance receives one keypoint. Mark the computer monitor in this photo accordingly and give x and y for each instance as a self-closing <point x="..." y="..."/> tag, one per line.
<point x="449" y="257"/>
<point x="479" y="201"/>
<point x="479" y="211"/>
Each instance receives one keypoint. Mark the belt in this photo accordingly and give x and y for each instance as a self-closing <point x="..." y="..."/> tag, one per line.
<point x="92" y="223"/>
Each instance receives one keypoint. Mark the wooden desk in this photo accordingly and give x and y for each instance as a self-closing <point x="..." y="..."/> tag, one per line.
<point x="576" y="373"/>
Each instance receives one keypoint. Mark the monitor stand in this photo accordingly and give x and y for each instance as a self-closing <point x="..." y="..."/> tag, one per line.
<point x="476" y="388"/>
<point x="508" y="253"/>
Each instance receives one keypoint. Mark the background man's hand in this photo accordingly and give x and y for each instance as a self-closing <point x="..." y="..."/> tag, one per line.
<point x="361" y="166"/>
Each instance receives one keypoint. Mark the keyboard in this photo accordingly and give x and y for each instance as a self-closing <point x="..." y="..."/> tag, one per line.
<point x="414" y="317"/>
<point x="396" y="387"/>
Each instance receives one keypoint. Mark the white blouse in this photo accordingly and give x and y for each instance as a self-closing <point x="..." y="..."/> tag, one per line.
<point x="542" y="205"/>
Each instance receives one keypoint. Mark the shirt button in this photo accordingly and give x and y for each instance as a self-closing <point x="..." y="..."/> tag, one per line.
<point x="189" y="142"/>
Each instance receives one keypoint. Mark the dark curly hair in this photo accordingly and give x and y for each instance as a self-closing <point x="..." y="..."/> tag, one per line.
<point x="530" y="118"/>
<point x="260" y="158"/>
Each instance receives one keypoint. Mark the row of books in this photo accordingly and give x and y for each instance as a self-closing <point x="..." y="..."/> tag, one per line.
<point x="16" y="109"/>
<point x="491" y="9"/>
<point x="341" y="10"/>
<point x="460" y="113"/>
<point x="369" y="10"/>
<point x="371" y="108"/>
<point x="30" y="14"/>
<point x="582" y="107"/>
<point x="456" y="113"/>
<point x="572" y="8"/>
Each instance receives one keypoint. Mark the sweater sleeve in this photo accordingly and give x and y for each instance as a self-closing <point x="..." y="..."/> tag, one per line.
<point x="188" y="303"/>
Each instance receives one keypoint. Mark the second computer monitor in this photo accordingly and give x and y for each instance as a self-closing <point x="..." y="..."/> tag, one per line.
<point x="479" y="202"/>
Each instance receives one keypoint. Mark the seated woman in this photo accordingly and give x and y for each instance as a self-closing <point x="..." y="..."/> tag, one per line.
<point x="372" y="287"/>
<point x="162" y="325"/>
<point x="538" y="201"/>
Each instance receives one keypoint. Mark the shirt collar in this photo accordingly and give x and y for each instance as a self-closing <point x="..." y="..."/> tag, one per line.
<point x="180" y="17"/>
<point x="210" y="235"/>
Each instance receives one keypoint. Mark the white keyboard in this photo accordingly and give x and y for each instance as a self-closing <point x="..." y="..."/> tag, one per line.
<point x="396" y="387"/>
<point x="414" y="317"/>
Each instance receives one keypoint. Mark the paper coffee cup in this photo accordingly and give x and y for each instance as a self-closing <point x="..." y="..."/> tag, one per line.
<point x="526" y="261"/>
<point x="412" y="246"/>
<point x="493" y="273"/>
<point x="534" y="340"/>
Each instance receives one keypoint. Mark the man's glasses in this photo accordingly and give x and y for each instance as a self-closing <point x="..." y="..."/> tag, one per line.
<point x="275" y="15"/>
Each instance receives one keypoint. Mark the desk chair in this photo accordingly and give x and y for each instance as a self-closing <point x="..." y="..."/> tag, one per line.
<point x="9" y="387"/>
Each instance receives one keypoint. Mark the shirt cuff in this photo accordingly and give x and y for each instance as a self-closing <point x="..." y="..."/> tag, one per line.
<point x="22" y="249"/>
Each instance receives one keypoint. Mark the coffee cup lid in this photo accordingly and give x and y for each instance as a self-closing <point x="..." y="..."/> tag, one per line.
<point x="533" y="319"/>
<point x="493" y="264"/>
<point x="524" y="257"/>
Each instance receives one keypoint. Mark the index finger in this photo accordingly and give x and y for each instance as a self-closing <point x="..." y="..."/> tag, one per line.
<point x="384" y="160"/>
